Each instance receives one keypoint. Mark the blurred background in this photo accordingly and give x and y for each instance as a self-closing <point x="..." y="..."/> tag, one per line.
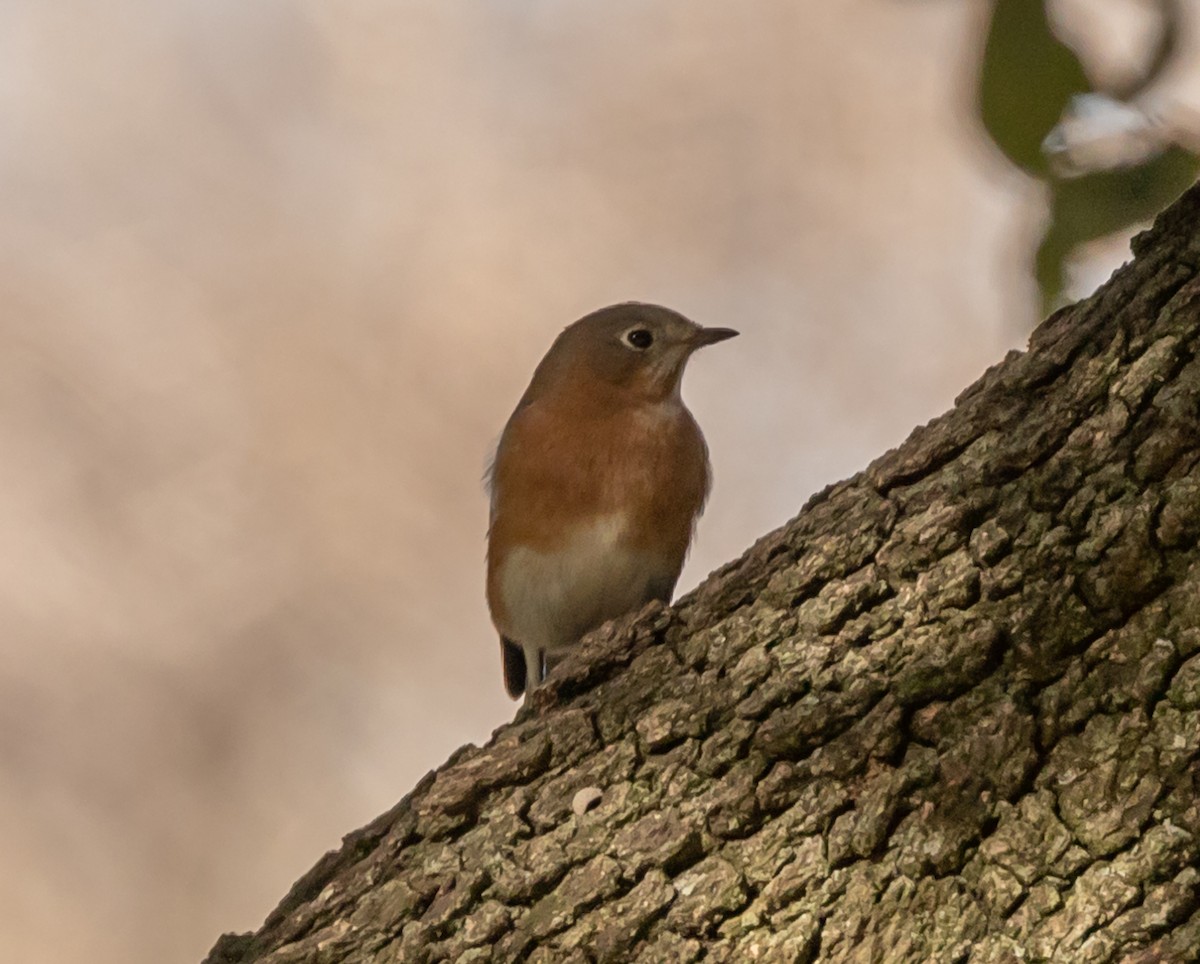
<point x="273" y="274"/>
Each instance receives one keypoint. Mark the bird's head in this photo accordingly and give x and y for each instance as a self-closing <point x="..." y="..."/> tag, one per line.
<point x="636" y="348"/>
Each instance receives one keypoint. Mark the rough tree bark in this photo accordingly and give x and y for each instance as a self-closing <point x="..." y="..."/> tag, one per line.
<point x="951" y="712"/>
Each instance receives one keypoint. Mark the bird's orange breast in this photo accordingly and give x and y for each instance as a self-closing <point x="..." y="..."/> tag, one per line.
<point x="565" y="462"/>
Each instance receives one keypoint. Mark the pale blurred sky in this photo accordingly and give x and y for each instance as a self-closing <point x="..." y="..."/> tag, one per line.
<point x="273" y="275"/>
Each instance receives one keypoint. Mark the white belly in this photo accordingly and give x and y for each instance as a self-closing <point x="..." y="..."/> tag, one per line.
<point x="553" y="598"/>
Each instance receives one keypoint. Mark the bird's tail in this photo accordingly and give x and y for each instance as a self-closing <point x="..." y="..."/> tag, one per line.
<point x="513" y="658"/>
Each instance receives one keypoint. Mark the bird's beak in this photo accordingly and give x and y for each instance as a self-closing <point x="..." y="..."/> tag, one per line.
<point x="710" y="336"/>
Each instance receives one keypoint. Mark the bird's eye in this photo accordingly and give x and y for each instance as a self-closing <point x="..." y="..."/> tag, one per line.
<point x="639" y="338"/>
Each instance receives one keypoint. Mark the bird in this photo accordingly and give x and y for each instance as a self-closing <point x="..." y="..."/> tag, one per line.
<point x="597" y="482"/>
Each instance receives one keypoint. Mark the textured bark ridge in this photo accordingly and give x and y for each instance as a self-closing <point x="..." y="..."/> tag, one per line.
<point x="951" y="712"/>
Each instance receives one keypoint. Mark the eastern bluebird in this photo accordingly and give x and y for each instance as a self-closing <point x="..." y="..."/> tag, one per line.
<point x="599" y="477"/>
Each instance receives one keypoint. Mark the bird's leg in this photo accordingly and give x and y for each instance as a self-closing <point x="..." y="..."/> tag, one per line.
<point x="554" y="658"/>
<point x="535" y="668"/>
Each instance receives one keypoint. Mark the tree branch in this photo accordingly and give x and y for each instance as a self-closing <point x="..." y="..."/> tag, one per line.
<point x="950" y="712"/>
